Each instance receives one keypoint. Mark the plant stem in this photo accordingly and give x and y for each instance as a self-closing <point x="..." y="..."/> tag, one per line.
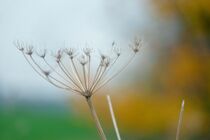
<point x="113" y="117"/>
<point x="96" y="119"/>
<point x="180" y="121"/>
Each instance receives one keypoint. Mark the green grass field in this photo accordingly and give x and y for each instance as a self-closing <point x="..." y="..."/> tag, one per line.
<point x="26" y="123"/>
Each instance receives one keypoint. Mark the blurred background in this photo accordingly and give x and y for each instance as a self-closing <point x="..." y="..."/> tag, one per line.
<point x="173" y="65"/>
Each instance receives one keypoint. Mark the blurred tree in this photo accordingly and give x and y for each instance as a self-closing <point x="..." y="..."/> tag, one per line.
<point x="186" y="67"/>
<point x="194" y="17"/>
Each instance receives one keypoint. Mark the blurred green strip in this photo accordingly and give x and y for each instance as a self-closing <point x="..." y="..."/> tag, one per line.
<point x="24" y="124"/>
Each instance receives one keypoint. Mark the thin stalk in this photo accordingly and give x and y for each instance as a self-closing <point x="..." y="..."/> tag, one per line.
<point x="113" y="117"/>
<point x="69" y="76"/>
<point x="96" y="119"/>
<point x="85" y="76"/>
<point x="76" y="74"/>
<point x="98" y="80"/>
<point x="180" y="121"/>
<point x="54" y="70"/>
<point x="116" y="74"/>
<point x="98" y="71"/>
<point x="89" y="58"/>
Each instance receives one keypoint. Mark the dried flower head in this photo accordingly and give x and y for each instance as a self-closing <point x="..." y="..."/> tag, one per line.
<point x="87" y="51"/>
<point x="19" y="46"/>
<point x="117" y="51"/>
<point x="138" y="43"/>
<point x="83" y="60"/>
<point x="70" y="52"/>
<point x="42" y="53"/>
<point x="103" y="56"/>
<point x="106" y="62"/>
<point x="76" y="75"/>
<point x="58" y="55"/>
<point x="29" y="50"/>
<point x="46" y="73"/>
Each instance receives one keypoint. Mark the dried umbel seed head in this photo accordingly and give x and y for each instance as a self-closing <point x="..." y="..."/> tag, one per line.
<point x="103" y="56"/>
<point x="42" y="54"/>
<point x="87" y="51"/>
<point x="20" y="48"/>
<point x="83" y="60"/>
<point x="138" y="43"/>
<point x="117" y="51"/>
<point x="77" y="75"/>
<point x="46" y="73"/>
<point x="19" y="45"/>
<point x="106" y="62"/>
<point x="29" y="50"/>
<point x="58" y="55"/>
<point x="70" y="52"/>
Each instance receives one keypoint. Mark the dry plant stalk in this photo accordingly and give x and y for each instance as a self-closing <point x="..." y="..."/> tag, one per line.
<point x="180" y="121"/>
<point x="113" y="117"/>
<point x="78" y="76"/>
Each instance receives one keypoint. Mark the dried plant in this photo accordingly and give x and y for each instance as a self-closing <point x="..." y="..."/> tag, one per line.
<point x="113" y="117"/>
<point x="77" y="75"/>
<point x="180" y="121"/>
